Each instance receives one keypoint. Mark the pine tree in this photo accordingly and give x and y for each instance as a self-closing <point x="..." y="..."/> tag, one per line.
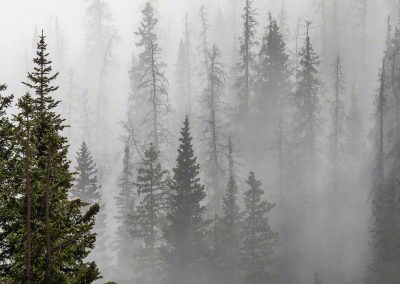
<point x="258" y="240"/>
<point x="272" y="82"/>
<point x="185" y="231"/>
<point x="338" y="119"/>
<point x="48" y="234"/>
<point x="88" y="190"/>
<point x="6" y="186"/>
<point x="147" y="220"/>
<point x="307" y="121"/>
<point x="230" y="227"/>
<point x="213" y="126"/>
<point x="246" y="66"/>
<point x="385" y="206"/>
<point x="100" y="36"/>
<point x="86" y="187"/>
<point x="125" y="203"/>
<point x="153" y="83"/>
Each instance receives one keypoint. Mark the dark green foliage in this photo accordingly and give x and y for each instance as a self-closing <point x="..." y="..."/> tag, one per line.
<point x="185" y="230"/>
<point x="60" y="234"/>
<point x="147" y="220"/>
<point x="258" y="240"/>
<point x="6" y="173"/>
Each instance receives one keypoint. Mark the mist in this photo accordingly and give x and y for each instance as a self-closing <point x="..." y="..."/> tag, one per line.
<point x="224" y="141"/>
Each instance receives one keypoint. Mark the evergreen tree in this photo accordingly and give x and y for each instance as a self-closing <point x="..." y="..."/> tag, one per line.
<point x="307" y="121"/>
<point x="153" y="83"/>
<point x="6" y="185"/>
<point x="149" y="216"/>
<point x="88" y="190"/>
<point x="184" y="234"/>
<point x="213" y="126"/>
<point x="125" y="203"/>
<point x="246" y="66"/>
<point x="272" y="83"/>
<point x="48" y="237"/>
<point x="258" y="240"/>
<point x="86" y="186"/>
<point x="230" y="227"/>
<point x="384" y="231"/>
<point x="338" y="119"/>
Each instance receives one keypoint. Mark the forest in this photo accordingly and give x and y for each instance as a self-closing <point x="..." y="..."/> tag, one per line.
<point x="200" y="141"/>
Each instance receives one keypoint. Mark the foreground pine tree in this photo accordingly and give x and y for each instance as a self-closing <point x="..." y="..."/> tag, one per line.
<point x="259" y="241"/>
<point x="6" y="173"/>
<point x="48" y="237"/>
<point x="185" y="231"/>
<point x="149" y="216"/>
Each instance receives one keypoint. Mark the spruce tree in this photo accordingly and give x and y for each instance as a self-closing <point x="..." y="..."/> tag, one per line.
<point x="258" y="240"/>
<point x="48" y="234"/>
<point x="213" y="127"/>
<point x="124" y="202"/>
<point x="185" y="249"/>
<point x="338" y="119"/>
<point x="307" y="121"/>
<point x="272" y="84"/>
<point x="7" y="160"/>
<point x="246" y="66"/>
<point x="86" y="186"/>
<point x="230" y="227"/>
<point x="153" y="82"/>
<point x="88" y="190"/>
<point x="147" y="220"/>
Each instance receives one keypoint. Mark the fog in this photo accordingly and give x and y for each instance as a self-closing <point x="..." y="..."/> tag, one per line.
<point x="314" y="144"/>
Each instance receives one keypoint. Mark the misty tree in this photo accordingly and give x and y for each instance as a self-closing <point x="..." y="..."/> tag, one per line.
<point x="307" y="121"/>
<point x="124" y="201"/>
<point x="354" y="129"/>
<point x="86" y="186"/>
<point x="272" y="81"/>
<point x="283" y="22"/>
<point x="100" y="37"/>
<point x="229" y="227"/>
<point x="153" y="83"/>
<point x="213" y="125"/>
<point x="88" y="190"/>
<point x="204" y="45"/>
<point x="338" y="120"/>
<point x="258" y="240"/>
<point x="186" y="249"/>
<point x="246" y="66"/>
<point x="148" y="218"/>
